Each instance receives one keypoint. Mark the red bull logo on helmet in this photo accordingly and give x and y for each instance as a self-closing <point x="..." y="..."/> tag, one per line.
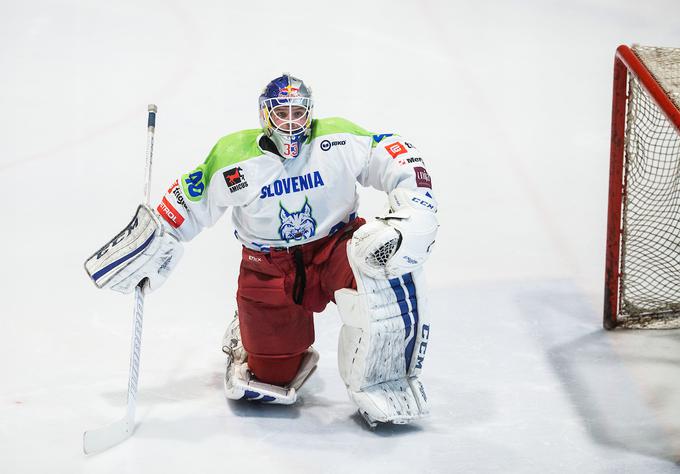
<point x="289" y="91"/>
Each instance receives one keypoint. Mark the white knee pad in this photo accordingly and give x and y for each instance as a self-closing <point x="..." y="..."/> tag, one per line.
<point x="382" y="346"/>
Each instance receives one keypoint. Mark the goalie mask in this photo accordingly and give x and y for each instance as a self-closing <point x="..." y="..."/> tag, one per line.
<point x="286" y="114"/>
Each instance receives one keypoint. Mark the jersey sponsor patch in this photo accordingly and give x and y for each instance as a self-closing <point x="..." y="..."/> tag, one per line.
<point x="293" y="184"/>
<point x="194" y="185"/>
<point x="235" y="179"/>
<point x="169" y="213"/>
<point x="423" y="179"/>
<point x="395" y="149"/>
<point x="327" y="144"/>
<point x="174" y="190"/>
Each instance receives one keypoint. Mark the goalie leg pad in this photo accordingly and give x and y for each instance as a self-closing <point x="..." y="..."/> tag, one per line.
<point x="382" y="346"/>
<point x="239" y="382"/>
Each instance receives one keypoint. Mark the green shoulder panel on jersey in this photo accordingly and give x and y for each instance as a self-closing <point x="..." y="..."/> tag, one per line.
<point x="321" y="127"/>
<point x="228" y="150"/>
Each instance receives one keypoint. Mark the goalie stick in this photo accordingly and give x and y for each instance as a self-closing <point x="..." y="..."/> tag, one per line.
<point x="103" y="438"/>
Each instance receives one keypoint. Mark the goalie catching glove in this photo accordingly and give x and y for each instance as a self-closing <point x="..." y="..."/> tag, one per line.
<point x="399" y="242"/>
<point x="143" y="250"/>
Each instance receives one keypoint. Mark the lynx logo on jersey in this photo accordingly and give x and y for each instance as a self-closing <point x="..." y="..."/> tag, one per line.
<point x="298" y="225"/>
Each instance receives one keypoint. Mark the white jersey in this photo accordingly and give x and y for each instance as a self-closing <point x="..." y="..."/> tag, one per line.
<point x="281" y="202"/>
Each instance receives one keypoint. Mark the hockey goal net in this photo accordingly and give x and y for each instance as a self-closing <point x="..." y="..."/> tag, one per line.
<point x="642" y="281"/>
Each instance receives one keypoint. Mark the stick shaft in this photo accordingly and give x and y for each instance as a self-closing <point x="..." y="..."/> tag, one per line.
<point x="135" y="350"/>
<point x="151" y="129"/>
<point x="103" y="438"/>
<point x="140" y="289"/>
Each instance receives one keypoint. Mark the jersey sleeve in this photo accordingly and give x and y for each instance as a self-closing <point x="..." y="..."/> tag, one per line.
<point x="189" y="206"/>
<point x="197" y="199"/>
<point x="395" y="163"/>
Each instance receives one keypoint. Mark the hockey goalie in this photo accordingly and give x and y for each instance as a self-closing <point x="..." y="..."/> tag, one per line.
<point x="291" y="185"/>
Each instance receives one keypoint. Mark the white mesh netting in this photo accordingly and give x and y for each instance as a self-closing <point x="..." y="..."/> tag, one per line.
<point x="379" y="258"/>
<point x="650" y="252"/>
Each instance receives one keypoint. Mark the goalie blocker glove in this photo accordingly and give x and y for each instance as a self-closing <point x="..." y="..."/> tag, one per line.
<point x="144" y="249"/>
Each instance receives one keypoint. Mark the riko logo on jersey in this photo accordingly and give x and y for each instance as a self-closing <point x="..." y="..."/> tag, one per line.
<point x="235" y="179"/>
<point x="327" y="144"/>
<point x="298" y="225"/>
<point x="293" y="184"/>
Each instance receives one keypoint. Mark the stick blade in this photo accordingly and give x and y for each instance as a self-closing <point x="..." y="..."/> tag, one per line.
<point x="101" y="439"/>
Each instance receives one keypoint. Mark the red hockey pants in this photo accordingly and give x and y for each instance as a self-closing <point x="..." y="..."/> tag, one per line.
<point x="279" y="292"/>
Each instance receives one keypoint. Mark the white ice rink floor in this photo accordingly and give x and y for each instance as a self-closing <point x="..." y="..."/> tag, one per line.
<point x="520" y="378"/>
<point x="509" y="103"/>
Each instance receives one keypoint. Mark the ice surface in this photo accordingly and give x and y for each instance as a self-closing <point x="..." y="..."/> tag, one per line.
<point x="509" y="103"/>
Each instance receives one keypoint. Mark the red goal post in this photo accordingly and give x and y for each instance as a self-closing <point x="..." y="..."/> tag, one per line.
<point x="644" y="175"/>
